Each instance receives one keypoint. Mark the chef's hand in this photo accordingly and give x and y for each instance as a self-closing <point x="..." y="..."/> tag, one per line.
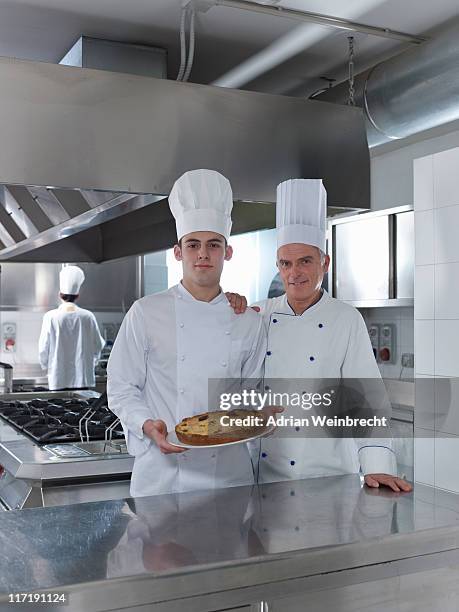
<point x="396" y="484"/>
<point x="157" y="431"/>
<point x="237" y="302"/>
<point x="269" y="411"/>
<point x="272" y="410"/>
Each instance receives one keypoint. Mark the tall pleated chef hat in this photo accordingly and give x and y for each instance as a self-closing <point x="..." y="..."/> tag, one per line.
<point x="201" y="201"/>
<point x="70" y="280"/>
<point x="301" y="211"/>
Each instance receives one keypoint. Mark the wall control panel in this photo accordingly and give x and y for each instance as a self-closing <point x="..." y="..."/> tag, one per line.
<point x="387" y="344"/>
<point x="374" y="331"/>
<point x="9" y="337"/>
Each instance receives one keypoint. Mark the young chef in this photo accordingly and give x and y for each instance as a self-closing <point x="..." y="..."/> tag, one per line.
<point x="171" y="343"/>
<point x="70" y="341"/>
<point x="314" y="336"/>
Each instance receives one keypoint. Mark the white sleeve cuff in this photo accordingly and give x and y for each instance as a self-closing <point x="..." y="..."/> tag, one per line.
<point x="377" y="460"/>
<point x="137" y="442"/>
<point x="136" y="421"/>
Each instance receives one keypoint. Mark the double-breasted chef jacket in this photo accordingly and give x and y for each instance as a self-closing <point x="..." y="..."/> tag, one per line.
<point x="328" y="341"/>
<point x="167" y="349"/>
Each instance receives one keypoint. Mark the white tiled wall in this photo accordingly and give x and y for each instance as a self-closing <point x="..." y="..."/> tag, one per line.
<point x="424" y="347"/>
<point x="28" y="326"/>
<point x="436" y="314"/>
<point x="424" y="292"/>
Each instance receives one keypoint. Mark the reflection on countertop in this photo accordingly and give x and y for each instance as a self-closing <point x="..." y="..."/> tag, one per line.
<point x="185" y="533"/>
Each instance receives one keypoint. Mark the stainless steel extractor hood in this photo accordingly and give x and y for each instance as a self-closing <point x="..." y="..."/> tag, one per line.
<point x="99" y="152"/>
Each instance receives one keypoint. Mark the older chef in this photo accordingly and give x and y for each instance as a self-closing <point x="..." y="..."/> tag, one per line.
<point x="314" y="336"/>
<point x="70" y="341"/>
<point x="170" y="344"/>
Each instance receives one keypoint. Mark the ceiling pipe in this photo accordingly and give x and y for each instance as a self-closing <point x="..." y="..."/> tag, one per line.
<point x="284" y="48"/>
<point x="259" y="6"/>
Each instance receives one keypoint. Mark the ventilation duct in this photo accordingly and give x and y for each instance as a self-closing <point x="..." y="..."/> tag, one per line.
<point x="410" y="93"/>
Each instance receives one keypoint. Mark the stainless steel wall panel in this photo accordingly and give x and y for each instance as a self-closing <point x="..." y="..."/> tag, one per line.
<point x="28" y="285"/>
<point x="111" y="286"/>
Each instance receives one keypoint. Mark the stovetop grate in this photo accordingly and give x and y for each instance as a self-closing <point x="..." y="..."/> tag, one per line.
<point x="61" y="420"/>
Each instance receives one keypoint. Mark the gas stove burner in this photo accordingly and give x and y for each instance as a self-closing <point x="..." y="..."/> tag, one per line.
<point x="58" y="420"/>
<point x="10" y="404"/>
<point x="39" y="403"/>
<point x="57" y="411"/>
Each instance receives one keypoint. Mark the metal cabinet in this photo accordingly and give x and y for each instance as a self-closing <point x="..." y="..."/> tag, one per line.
<point x="372" y="258"/>
<point x="404" y="254"/>
<point x="361" y="260"/>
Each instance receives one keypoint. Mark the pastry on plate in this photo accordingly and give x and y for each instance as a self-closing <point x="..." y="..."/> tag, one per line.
<point x="209" y="428"/>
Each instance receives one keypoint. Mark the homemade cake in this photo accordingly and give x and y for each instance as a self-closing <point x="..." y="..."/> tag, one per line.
<point x="204" y="429"/>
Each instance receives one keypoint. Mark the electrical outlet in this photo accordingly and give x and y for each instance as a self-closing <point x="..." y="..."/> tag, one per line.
<point x="9" y="337"/>
<point x="407" y="360"/>
<point x="387" y="343"/>
<point x="374" y="333"/>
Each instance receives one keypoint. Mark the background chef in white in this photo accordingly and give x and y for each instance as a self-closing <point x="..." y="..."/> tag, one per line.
<point x="70" y="340"/>
<point x="314" y="336"/>
<point x="171" y="343"/>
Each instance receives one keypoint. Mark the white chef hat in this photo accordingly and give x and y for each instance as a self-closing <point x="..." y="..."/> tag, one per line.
<point x="70" y="280"/>
<point x="201" y="201"/>
<point x="301" y="211"/>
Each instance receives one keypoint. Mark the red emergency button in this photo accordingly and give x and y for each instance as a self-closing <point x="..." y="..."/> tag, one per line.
<point x="384" y="354"/>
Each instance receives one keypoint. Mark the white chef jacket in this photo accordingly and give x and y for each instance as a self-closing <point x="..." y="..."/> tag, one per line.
<point x="329" y="340"/>
<point x="69" y="345"/>
<point x="167" y="349"/>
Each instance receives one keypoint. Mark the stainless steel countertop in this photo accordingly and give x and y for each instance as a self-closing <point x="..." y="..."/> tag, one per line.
<point x="24" y="459"/>
<point x="168" y="547"/>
